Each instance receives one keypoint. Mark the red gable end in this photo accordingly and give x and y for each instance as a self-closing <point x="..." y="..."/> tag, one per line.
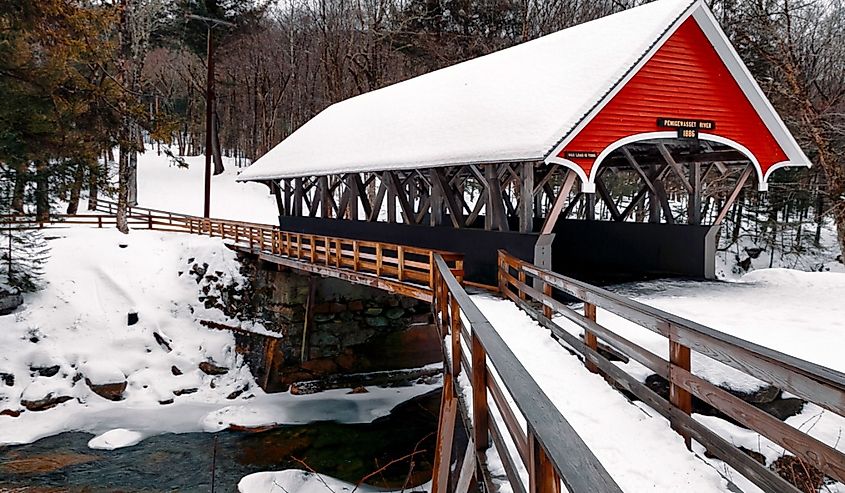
<point x="685" y="79"/>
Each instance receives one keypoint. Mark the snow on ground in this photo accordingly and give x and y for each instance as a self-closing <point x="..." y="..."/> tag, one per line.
<point x="75" y="331"/>
<point x="629" y="441"/>
<point x="297" y="481"/>
<point x="822" y="258"/>
<point x="164" y="186"/>
<point x="798" y="313"/>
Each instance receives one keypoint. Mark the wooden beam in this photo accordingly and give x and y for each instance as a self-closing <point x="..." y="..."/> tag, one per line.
<point x="526" y="198"/>
<point x="447" y="194"/>
<point x="605" y="196"/>
<point x="393" y="185"/>
<point x="740" y="182"/>
<point x="694" y="202"/>
<point x="495" y="199"/>
<point x="677" y="167"/>
<point x="655" y="187"/>
<point x="297" y="197"/>
<point x="557" y="207"/>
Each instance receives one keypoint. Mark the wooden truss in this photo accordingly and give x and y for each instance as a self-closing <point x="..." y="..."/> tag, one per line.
<point x="523" y="197"/>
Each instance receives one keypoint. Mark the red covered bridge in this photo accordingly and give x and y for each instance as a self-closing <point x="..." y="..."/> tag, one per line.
<point x="489" y="151"/>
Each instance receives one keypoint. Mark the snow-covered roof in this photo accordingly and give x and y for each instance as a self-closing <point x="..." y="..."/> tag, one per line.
<point x="512" y="105"/>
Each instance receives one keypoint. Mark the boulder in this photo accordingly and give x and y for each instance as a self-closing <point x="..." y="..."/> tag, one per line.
<point x="783" y="408"/>
<point x="184" y="391"/>
<point x="210" y="368"/>
<point x="10" y="412"/>
<point x="48" y="371"/>
<point x="162" y="341"/>
<point x="8" y="379"/>
<point x="762" y="395"/>
<point x="175" y="370"/>
<point x="111" y="391"/>
<point x="9" y="301"/>
<point x="48" y="402"/>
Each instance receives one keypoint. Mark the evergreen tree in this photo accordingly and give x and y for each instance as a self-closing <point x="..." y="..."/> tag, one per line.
<point x="23" y="249"/>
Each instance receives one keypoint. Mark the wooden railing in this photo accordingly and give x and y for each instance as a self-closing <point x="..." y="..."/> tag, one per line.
<point x="400" y="269"/>
<point x="548" y="447"/>
<point x="534" y="290"/>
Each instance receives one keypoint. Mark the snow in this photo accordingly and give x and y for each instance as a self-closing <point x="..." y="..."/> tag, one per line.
<point x="114" y="439"/>
<point x="629" y="440"/>
<point x="164" y="186"/>
<point x="78" y="323"/>
<point x="798" y="313"/>
<point x="297" y="481"/>
<point x="511" y="105"/>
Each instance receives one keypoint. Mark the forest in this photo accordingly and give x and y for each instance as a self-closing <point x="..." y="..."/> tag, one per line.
<point x="88" y="85"/>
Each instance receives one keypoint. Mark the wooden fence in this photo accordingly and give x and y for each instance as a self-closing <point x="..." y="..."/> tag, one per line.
<point x="395" y="268"/>
<point x="550" y="450"/>
<point x="534" y="290"/>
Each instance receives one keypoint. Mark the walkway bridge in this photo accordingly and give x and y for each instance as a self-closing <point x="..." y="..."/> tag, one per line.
<point x="505" y="412"/>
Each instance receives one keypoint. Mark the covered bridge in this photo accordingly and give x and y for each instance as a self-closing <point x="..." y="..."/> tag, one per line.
<point x="520" y="150"/>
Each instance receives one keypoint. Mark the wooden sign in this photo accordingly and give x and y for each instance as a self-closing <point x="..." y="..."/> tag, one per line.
<point x="687" y="129"/>
<point x="580" y="155"/>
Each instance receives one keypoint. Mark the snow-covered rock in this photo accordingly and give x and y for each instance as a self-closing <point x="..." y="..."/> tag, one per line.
<point x="298" y="481"/>
<point x="114" y="439"/>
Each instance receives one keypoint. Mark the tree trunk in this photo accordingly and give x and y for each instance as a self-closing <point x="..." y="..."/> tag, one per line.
<point x="21" y="178"/>
<point x="122" y="189"/>
<point x="93" y="184"/>
<point x="42" y="192"/>
<point x="76" y="188"/>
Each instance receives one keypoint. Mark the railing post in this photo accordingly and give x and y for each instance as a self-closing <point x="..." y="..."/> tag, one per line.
<point x="590" y="338"/>
<point x="100" y="221"/>
<point x="547" y="290"/>
<point x="378" y="259"/>
<point x="356" y="255"/>
<point x="500" y="272"/>
<point x="338" y="253"/>
<point x="149" y="220"/>
<point x="431" y="269"/>
<point x="679" y="356"/>
<point x="455" y="327"/>
<point x="251" y="239"/>
<point x="521" y="276"/>
<point x="313" y="249"/>
<point x="327" y="249"/>
<point x="542" y="477"/>
<point x="400" y="262"/>
<point x="480" y="413"/>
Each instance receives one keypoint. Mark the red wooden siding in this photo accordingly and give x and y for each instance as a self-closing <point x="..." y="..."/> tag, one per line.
<point x="687" y="79"/>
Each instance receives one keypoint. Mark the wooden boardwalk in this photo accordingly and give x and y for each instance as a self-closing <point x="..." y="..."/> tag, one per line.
<point x="547" y="447"/>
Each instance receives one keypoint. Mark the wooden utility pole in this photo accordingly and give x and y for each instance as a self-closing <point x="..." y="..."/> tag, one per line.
<point x="209" y="104"/>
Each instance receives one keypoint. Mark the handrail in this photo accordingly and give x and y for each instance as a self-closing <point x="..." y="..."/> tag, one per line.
<point x="525" y="283"/>
<point x="554" y="452"/>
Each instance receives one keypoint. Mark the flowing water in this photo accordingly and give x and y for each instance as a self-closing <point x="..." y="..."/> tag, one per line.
<point x="184" y="462"/>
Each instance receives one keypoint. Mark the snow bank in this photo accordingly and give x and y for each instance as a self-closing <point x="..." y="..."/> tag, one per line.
<point x="799" y="313"/>
<point x="114" y="439"/>
<point x="297" y="481"/>
<point x="75" y="331"/>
